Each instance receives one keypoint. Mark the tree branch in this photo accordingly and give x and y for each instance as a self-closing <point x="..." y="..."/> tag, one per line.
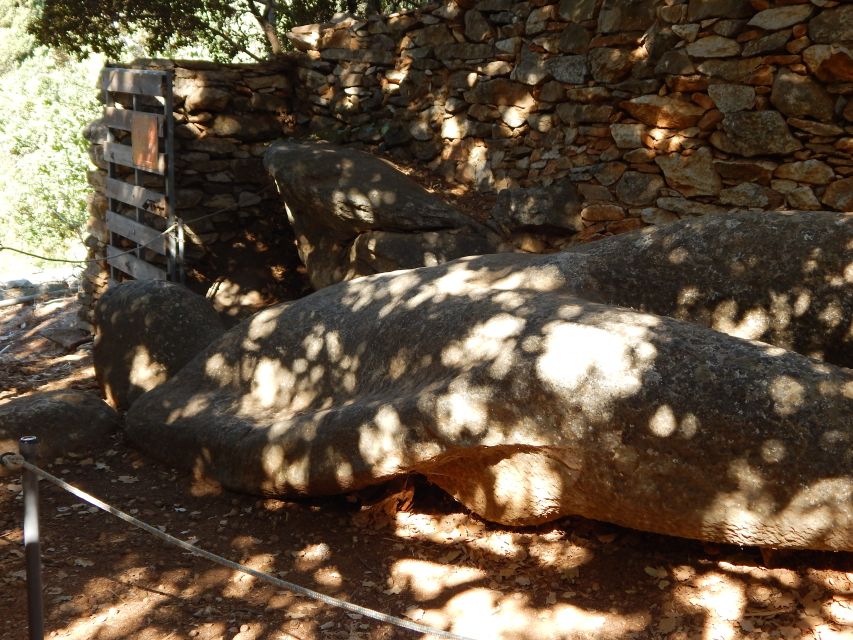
<point x="266" y="22"/>
<point x="236" y="45"/>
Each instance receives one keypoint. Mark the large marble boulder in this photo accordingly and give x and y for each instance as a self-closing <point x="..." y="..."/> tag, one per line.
<point x="783" y="278"/>
<point x="146" y="330"/>
<point x="355" y="214"/>
<point x="66" y="421"/>
<point x="499" y="380"/>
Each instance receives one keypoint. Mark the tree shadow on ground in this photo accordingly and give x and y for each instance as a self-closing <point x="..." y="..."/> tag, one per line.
<point x="570" y="579"/>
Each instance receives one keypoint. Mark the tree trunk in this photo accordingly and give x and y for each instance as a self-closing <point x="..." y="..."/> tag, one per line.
<point x="267" y="21"/>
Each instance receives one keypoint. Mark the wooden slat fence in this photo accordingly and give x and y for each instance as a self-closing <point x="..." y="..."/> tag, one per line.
<point x="146" y="238"/>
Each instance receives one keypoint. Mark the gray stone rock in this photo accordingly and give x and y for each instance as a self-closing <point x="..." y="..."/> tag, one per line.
<point x="463" y="51"/>
<point x="691" y="175"/>
<point x="759" y="171"/>
<point x="839" y="195"/>
<point x="684" y="207"/>
<point x="638" y="189"/>
<point x="500" y="92"/>
<point x="256" y="127"/>
<point x="530" y="68"/>
<point x="146" y="330"/>
<point x="206" y="98"/>
<point x="577" y="10"/>
<point x="568" y="69"/>
<point x="496" y="379"/>
<point x="811" y="171"/>
<point x="584" y="113"/>
<point x="664" y="111"/>
<point x="65" y="422"/>
<point x="675" y="62"/>
<point x="493" y="6"/>
<point x="830" y="62"/>
<point x="802" y="198"/>
<point x="538" y="18"/>
<point x="701" y="9"/>
<point x="435" y="34"/>
<point x="798" y="96"/>
<point x="626" y="15"/>
<point x="477" y="28"/>
<point x="687" y="32"/>
<point x="756" y="133"/>
<point x="769" y="43"/>
<point x="713" y="47"/>
<point x="574" y="39"/>
<point x="731" y="70"/>
<point x="781" y="17"/>
<point x="335" y="194"/>
<point x="420" y="130"/>
<point x="728" y="28"/>
<point x="602" y="212"/>
<point x="372" y="56"/>
<point x="832" y="26"/>
<point x="557" y="206"/>
<point x="628" y="136"/>
<point x="608" y="173"/>
<point x="732" y="97"/>
<point x="746" y="194"/>
<point x="609" y="65"/>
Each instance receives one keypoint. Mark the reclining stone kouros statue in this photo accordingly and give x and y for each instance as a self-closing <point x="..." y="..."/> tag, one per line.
<point x="692" y="380"/>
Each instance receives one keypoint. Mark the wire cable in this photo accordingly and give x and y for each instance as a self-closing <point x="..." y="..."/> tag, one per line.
<point x="12" y="460"/>
<point x="162" y="234"/>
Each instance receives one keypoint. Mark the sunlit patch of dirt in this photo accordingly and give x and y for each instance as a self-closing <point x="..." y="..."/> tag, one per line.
<point x="406" y="549"/>
<point x="42" y="350"/>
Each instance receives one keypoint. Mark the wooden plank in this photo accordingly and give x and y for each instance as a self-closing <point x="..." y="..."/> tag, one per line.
<point x="140" y="81"/>
<point x="148" y="199"/>
<point x="122" y="154"/>
<point x="132" y="230"/>
<point x="122" y="119"/>
<point x="133" y="266"/>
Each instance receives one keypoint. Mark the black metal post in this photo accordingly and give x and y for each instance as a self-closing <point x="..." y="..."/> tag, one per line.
<point x="32" y="545"/>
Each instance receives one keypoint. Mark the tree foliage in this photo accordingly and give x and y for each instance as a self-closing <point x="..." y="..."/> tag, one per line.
<point x="47" y="99"/>
<point x="82" y="27"/>
<point x="48" y="74"/>
<point x="226" y="29"/>
<point x="15" y="43"/>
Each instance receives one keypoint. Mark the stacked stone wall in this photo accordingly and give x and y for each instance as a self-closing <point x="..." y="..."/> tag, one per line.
<point x="586" y="117"/>
<point x="239" y="247"/>
<point x="653" y="109"/>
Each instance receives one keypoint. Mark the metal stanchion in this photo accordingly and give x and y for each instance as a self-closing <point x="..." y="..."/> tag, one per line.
<point x="32" y="545"/>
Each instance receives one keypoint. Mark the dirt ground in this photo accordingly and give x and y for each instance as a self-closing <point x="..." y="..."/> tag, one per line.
<point x="406" y="550"/>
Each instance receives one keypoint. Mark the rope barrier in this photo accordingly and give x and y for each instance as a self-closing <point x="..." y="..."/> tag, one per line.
<point x="162" y="234"/>
<point x="16" y="461"/>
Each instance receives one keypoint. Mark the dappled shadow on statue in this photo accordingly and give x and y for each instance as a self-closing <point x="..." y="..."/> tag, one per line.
<point x="500" y="381"/>
<point x="354" y="214"/>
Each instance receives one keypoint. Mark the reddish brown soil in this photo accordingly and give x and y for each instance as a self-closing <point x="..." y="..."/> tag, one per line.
<point x="433" y="563"/>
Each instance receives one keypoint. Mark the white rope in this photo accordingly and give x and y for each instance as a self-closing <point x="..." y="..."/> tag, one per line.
<point x="12" y="460"/>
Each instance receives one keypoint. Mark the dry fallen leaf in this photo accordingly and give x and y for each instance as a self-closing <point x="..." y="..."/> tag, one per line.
<point x="384" y="512"/>
<point x="656" y="572"/>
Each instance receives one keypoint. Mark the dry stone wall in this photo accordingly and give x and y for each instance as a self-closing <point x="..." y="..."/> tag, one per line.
<point x="241" y="250"/>
<point x="585" y="118"/>
<point x="629" y="111"/>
